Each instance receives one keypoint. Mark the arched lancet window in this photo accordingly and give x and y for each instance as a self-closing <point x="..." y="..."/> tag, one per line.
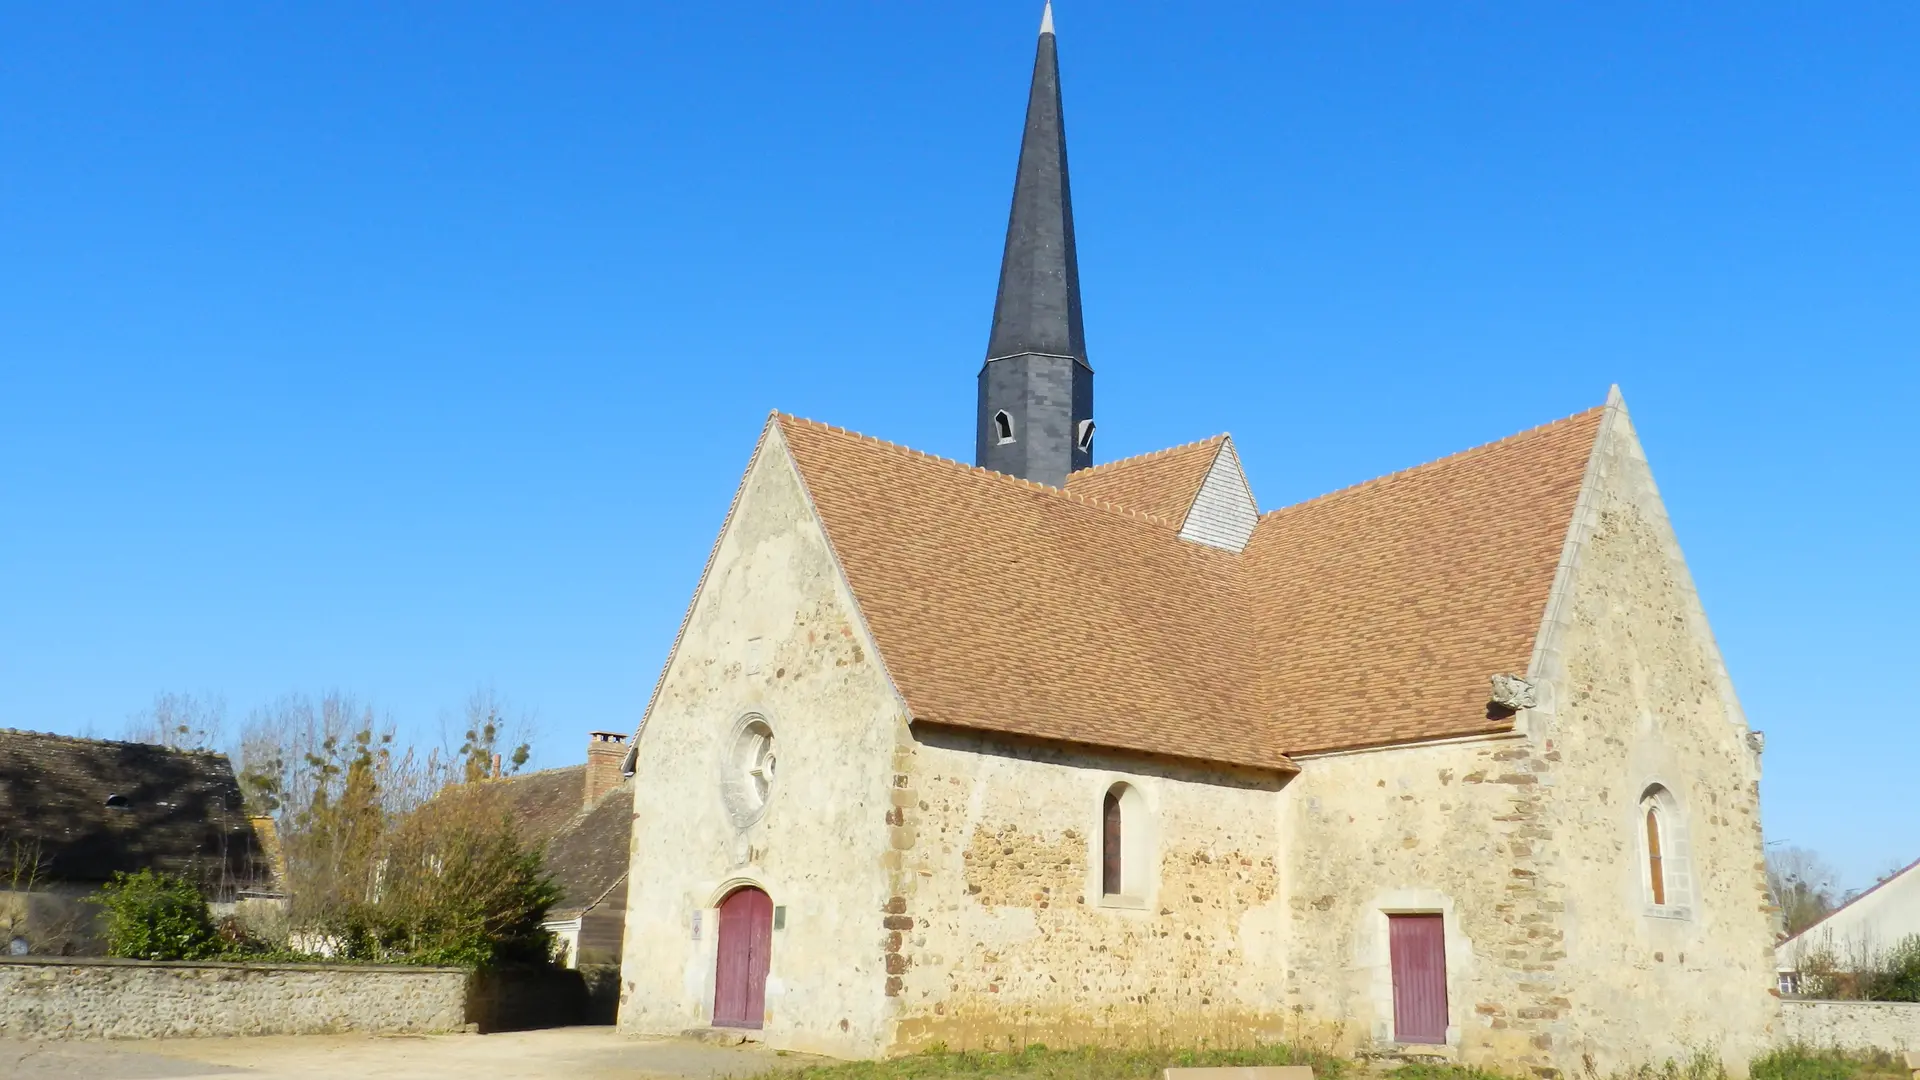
<point x="1664" y="871"/>
<point x="1656" y="874"/>
<point x="1003" y="426"/>
<point x="1112" y="837"/>
<point x="1125" y="847"/>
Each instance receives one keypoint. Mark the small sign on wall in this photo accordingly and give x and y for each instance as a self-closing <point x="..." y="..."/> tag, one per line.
<point x="779" y="916"/>
<point x="696" y="923"/>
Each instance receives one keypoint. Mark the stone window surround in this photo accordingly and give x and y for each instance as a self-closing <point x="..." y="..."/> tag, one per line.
<point x="1373" y="952"/>
<point x="745" y="807"/>
<point x="1676" y="863"/>
<point x="1139" y="846"/>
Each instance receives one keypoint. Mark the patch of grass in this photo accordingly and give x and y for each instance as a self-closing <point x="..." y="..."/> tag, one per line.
<point x="1042" y="1063"/>
<point x="1423" y="1071"/>
<point x="1806" y="1063"/>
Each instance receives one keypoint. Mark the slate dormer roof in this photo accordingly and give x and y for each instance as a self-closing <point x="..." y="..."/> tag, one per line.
<point x="1371" y="616"/>
<point x="85" y="808"/>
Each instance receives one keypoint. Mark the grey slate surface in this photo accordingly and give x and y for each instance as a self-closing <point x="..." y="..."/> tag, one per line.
<point x="1036" y="369"/>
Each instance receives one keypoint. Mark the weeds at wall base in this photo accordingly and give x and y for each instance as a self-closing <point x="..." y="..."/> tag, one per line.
<point x="1095" y="1063"/>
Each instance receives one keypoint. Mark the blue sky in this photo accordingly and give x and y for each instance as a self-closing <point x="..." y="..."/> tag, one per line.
<point x="407" y="349"/>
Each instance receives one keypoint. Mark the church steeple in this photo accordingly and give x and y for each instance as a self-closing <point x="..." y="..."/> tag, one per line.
<point x="1036" y="389"/>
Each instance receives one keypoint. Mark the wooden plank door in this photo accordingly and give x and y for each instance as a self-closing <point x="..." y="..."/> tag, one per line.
<point x="1419" y="955"/>
<point x="745" y="943"/>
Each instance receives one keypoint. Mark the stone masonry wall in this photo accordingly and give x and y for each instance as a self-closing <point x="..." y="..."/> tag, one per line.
<point x="1455" y="829"/>
<point x="772" y="633"/>
<point x="1893" y="1026"/>
<point x="133" y="999"/>
<point x="1634" y="695"/>
<point x="997" y="929"/>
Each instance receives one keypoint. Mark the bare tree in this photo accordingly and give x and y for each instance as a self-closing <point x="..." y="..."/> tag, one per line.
<point x="1803" y="885"/>
<point x="491" y="726"/>
<point x="181" y="721"/>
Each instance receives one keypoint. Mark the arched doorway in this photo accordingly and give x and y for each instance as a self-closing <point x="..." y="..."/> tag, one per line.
<point x="740" y="975"/>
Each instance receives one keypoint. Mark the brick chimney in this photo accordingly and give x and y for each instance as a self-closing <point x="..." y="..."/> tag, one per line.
<point x="605" y="751"/>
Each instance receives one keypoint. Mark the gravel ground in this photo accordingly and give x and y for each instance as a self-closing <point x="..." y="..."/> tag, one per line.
<point x="561" y="1054"/>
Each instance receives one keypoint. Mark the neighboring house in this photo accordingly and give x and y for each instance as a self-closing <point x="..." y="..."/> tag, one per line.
<point x="1856" y="935"/>
<point x="1036" y="750"/>
<point x="74" y="811"/>
<point x="583" y="816"/>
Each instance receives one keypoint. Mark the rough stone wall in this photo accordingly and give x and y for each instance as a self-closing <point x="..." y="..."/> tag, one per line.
<point x="1532" y="845"/>
<point x="1635" y="695"/>
<point x="133" y="999"/>
<point x="1893" y="1026"/>
<point x="1459" y="829"/>
<point x="772" y="631"/>
<point x="997" y="928"/>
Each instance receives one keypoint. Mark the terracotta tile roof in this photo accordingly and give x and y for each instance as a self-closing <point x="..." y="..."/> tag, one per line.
<point x="1382" y="609"/>
<point x="1369" y="616"/>
<point x="1162" y="484"/>
<point x="177" y="811"/>
<point x="1009" y="606"/>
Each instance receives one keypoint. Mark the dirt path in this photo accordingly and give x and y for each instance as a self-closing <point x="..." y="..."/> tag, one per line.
<point x="560" y="1054"/>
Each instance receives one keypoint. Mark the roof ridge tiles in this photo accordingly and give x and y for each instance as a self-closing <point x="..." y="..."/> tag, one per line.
<point x="990" y="474"/>
<point x="1458" y="455"/>
<point x="1211" y="440"/>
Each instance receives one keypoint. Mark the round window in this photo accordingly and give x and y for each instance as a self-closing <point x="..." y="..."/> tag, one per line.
<point x="750" y="767"/>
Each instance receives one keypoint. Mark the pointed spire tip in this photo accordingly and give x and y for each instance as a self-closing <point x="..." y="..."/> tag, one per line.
<point x="1046" y="18"/>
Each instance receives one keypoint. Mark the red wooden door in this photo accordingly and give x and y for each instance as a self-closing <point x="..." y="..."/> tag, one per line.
<point x="1419" y="954"/>
<point x="740" y="977"/>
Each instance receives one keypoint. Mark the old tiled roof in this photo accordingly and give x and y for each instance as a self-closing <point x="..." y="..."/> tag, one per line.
<point x="586" y="846"/>
<point x="589" y="857"/>
<point x="1162" y="484"/>
<point x="541" y="803"/>
<point x="1373" y="615"/>
<point x="176" y="811"/>
<point x="1004" y="605"/>
<point x="1382" y="610"/>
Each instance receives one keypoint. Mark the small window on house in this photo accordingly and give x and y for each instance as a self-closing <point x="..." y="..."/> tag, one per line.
<point x="117" y="801"/>
<point x="1002" y="426"/>
<point x="1084" y="437"/>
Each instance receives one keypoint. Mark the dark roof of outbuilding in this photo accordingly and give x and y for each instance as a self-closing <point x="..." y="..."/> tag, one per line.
<point x="586" y="846"/>
<point x="589" y="856"/>
<point x="177" y="811"/>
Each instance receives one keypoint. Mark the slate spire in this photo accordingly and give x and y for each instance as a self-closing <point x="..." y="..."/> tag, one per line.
<point x="1036" y="389"/>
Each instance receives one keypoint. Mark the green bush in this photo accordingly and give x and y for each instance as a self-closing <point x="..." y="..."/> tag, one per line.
<point x="1897" y="977"/>
<point x="154" y="916"/>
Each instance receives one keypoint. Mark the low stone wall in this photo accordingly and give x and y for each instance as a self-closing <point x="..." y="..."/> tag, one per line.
<point x="1851" y="1025"/>
<point x="77" y="998"/>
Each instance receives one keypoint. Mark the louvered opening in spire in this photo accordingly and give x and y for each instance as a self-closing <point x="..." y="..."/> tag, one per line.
<point x="1036" y="376"/>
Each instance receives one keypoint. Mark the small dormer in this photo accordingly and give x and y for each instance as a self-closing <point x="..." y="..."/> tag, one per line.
<point x="1223" y="513"/>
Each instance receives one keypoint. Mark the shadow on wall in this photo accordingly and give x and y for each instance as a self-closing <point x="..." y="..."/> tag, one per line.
<point x="527" y="998"/>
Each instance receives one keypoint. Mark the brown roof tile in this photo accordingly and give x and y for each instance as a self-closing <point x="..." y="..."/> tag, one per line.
<point x="1162" y="484"/>
<point x="1382" y="609"/>
<point x="1009" y="606"/>
<point x="1369" y="616"/>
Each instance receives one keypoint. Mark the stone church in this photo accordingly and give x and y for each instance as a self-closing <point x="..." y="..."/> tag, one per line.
<point x="1044" y="749"/>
